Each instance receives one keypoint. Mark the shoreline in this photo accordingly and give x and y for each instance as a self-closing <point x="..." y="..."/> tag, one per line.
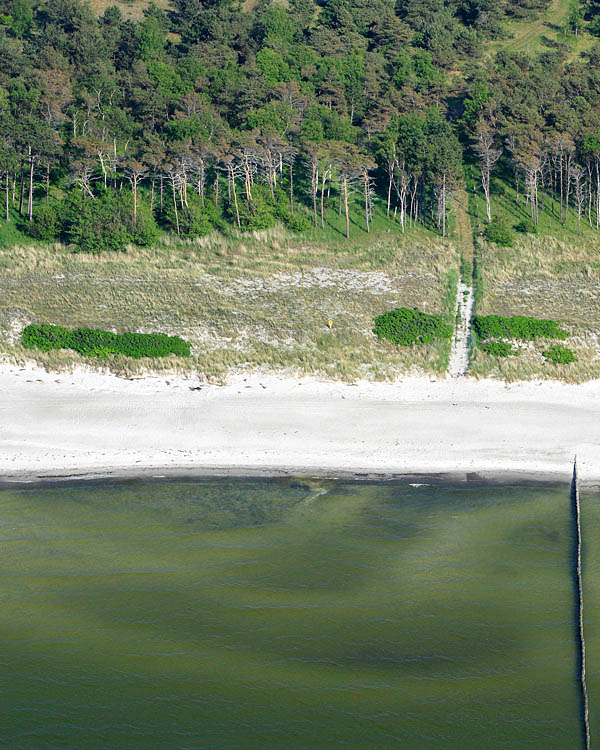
<point x="90" y="425"/>
<point x="291" y="473"/>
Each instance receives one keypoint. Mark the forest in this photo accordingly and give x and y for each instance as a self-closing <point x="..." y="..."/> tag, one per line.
<point x="198" y="115"/>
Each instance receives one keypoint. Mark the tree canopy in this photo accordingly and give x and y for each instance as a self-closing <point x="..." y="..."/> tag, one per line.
<point x="266" y="113"/>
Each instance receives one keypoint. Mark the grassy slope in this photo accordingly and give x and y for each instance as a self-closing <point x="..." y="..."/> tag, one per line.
<point x="258" y="300"/>
<point x="547" y="278"/>
<point x="132" y="9"/>
<point x="542" y="33"/>
<point x="554" y="274"/>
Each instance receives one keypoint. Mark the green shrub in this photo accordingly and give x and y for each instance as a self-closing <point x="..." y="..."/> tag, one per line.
<point x="405" y="327"/>
<point x="499" y="349"/>
<point x="45" y="337"/>
<point x="297" y="222"/>
<point x="526" y="227"/>
<point x="97" y="343"/>
<point x="263" y="211"/>
<point x="196" y="219"/>
<point x="518" y="327"/>
<point x="560" y="355"/>
<point x="45" y="224"/>
<point x="500" y="233"/>
<point x="258" y="213"/>
<point x="146" y="231"/>
<point x="93" y="225"/>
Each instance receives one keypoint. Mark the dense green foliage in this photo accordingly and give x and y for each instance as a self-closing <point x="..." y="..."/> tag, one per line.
<point x="104" y="223"/>
<point x="519" y="327"/>
<point x="499" y="348"/>
<point x="559" y="354"/>
<point x="497" y="231"/>
<point x="214" y="114"/>
<point x="97" y="343"/>
<point x="405" y="327"/>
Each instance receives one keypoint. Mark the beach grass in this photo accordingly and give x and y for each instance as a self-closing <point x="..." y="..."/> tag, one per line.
<point x="545" y="277"/>
<point x="258" y="301"/>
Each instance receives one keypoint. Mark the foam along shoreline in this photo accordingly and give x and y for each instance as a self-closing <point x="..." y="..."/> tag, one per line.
<point x="89" y="424"/>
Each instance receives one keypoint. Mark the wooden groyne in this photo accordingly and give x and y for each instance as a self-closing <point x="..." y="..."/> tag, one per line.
<point x="578" y="582"/>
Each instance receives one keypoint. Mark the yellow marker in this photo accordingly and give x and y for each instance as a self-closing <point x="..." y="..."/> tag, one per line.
<point x="329" y="323"/>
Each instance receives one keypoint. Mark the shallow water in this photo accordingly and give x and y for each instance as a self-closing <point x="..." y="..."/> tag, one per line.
<point x="293" y="614"/>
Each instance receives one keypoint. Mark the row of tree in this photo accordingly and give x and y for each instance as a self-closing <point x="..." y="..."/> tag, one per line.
<point x="207" y="114"/>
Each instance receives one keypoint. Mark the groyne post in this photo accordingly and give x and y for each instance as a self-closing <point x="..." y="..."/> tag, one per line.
<point x="576" y="511"/>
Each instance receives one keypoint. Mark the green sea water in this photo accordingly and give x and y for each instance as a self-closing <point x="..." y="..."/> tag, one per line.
<point x="293" y="614"/>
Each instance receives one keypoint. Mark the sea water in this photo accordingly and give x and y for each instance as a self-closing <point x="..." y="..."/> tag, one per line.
<point x="293" y="614"/>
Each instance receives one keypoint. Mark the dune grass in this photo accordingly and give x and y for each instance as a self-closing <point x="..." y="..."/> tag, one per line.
<point x="255" y="301"/>
<point x="546" y="277"/>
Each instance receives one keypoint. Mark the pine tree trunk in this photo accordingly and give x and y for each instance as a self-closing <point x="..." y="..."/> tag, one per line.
<point x="568" y="179"/>
<point x="134" y="185"/>
<point x="30" y="193"/>
<point x="597" y="194"/>
<point x="6" y="198"/>
<point x="485" y="180"/>
<point x="444" y="207"/>
<point x="561" y="187"/>
<point x="291" y="190"/>
<point x="346" y="207"/>
<point x="314" y="184"/>
<point x="175" y="206"/>
<point x="235" y="200"/>
<point x="22" y="189"/>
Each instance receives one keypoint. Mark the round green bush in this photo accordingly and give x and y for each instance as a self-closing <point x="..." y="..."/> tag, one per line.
<point x="499" y="349"/>
<point x="297" y="222"/>
<point x="560" y="355"/>
<point x="500" y="233"/>
<point x="405" y="327"/>
<point x="45" y="224"/>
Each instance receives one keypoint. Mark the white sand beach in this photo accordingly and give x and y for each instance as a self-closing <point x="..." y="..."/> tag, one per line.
<point x="91" y="424"/>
